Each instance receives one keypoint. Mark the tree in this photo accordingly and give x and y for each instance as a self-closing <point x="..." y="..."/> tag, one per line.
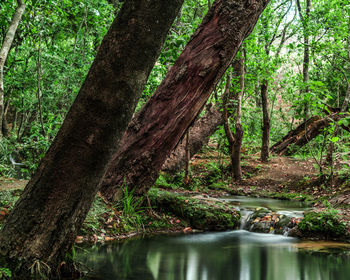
<point x="235" y="139"/>
<point x="4" y="51"/>
<point x="157" y="128"/>
<point x="305" y="19"/>
<point x="43" y="224"/>
<point x="270" y="32"/>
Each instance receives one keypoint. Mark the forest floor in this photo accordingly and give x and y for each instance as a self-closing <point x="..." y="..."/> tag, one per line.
<point x="281" y="177"/>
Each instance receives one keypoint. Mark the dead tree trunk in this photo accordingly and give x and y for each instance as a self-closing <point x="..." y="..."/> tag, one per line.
<point x="304" y="133"/>
<point x="5" y="49"/>
<point x="158" y="127"/>
<point x="45" y="220"/>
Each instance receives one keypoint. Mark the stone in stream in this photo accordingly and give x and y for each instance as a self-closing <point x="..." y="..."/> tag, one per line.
<point x="264" y="221"/>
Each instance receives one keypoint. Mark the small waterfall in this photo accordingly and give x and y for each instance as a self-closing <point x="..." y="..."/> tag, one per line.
<point x="245" y="216"/>
<point x="286" y="231"/>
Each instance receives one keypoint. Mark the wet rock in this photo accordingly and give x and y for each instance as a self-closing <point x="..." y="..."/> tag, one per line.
<point x="265" y="221"/>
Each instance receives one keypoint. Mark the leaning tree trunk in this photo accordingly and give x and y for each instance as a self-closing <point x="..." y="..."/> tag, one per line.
<point x="266" y="123"/>
<point x="199" y="135"/>
<point x="44" y="222"/>
<point x="304" y="133"/>
<point x="200" y="132"/>
<point x="5" y="49"/>
<point x="158" y="127"/>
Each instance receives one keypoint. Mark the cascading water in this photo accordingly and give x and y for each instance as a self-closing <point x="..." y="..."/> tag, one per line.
<point x="268" y="215"/>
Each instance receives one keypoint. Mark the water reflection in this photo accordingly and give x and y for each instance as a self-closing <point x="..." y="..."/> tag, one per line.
<point x="214" y="256"/>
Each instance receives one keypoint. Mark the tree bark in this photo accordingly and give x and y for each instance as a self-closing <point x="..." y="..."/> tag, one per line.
<point x="5" y="49"/>
<point x="199" y="135"/>
<point x="158" y="127"/>
<point x="44" y="222"/>
<point x="266" y="123"/>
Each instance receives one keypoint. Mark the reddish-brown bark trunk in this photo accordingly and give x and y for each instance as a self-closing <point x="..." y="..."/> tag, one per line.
<point x="158" y="127"/>
<point x="43" y="224"/>
<point x="199" y="135"/>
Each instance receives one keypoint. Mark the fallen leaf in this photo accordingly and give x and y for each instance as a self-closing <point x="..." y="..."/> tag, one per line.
<point x="187" y="230"/>
<point x="79" y="239"/>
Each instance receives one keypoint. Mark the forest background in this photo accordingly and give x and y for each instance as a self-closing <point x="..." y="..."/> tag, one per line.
<point x="297" y="59"/>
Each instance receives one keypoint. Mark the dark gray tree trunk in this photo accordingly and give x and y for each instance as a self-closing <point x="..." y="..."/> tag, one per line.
<point x="45" y="220"/>
<point x="5" y="126"/>
<point x="5" y="49"/>
<point x="266" y="123"/>
<point x="235" y="139"/>
<point x="158" y="127"/>
<point x="238" y="136"/>
<point x="305" y="21"/>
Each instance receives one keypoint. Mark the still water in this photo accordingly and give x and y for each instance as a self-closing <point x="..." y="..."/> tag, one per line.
<point x="285" y="207"/>
<point x="232" y="255"/>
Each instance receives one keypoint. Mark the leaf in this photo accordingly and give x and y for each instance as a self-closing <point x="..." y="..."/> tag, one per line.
<point x="334" y="139"/>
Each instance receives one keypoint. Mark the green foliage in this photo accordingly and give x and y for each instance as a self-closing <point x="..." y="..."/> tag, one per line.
<point x="5" y="273"/>
<point x="8" y="198"/>
<point x="130" y="205"/>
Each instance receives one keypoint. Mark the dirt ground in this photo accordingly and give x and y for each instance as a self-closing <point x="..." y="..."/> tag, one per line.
<point x="278" y="174"/>
<point x="12" y="184"/>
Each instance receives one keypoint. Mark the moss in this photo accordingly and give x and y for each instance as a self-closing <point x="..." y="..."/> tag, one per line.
<point x="198" y="213"/>
<point x="325" y="224"/>
<point x="290" y="196"/>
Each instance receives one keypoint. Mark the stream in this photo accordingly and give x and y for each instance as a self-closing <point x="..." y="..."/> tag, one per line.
<point x="229" y="255"/>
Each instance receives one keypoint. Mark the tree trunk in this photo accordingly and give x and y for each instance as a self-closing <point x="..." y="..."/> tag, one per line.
<point x="237" y="146"/>
<point x="304" y="133"/>
<point x="186" y="179"/>
<point x="44" y="222"/>
<point x="343" y="109"/>
<point x="200" y="132"/>
<point x="235" y="139"/>
<point x="158" y="127"/>
<point x="229" y="135"/>
<point x="266" y="123"/>
<point x="305" y="21"/>
<point x="5" y="49"/>
<point x="199" y="135"/>
<point x="5" y="125"/>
